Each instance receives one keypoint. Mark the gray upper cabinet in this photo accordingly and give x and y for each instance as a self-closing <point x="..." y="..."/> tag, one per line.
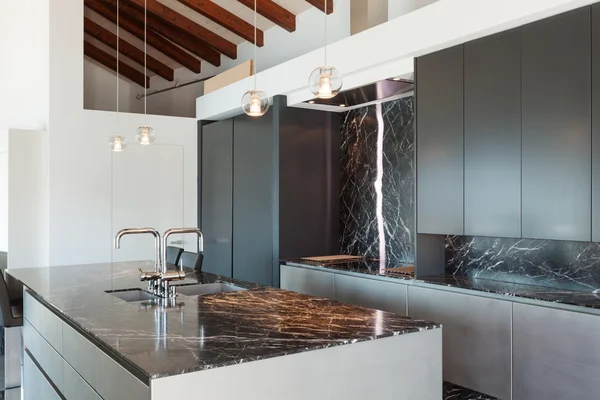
<point x="492" y="81"/>
<point x="556" y="354"/>
<point x="596" y="123"/>
<point x="440" y="155"/>
<point x="217" y="197"/>
<point x="556" y="127"/>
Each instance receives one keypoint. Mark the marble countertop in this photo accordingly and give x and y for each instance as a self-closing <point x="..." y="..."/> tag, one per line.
<point x="518" y="290"/>
<point x="363" y="266"/>
<point x="202" y="332"/>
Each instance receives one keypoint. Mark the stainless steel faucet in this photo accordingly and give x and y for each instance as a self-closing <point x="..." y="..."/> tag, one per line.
<point x="158" y="281"/>
<point x="176" y="231"/>
<point x="139" y="231"/>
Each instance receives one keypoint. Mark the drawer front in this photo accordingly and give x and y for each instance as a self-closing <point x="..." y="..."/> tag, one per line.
<point x="370" y="293"/>
<point x="556" y="354"/>
<point x="113" y="382"/>
<point x="80" y="353"/>
<point x="307" y="281"/>
<point x="48" y="359"/>
<point x="48" y="324"/>
<point x="476" y="337"/>
<point x="35" y="385"/>
<point x="74" y="387"/>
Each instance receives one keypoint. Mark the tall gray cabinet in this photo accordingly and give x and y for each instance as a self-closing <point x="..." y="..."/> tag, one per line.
<point x="265" y="184"/>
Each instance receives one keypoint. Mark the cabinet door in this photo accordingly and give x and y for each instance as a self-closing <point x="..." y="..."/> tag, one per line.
<point x="476" y="337"/>
<point x="556" y="354"/>
<point x="307" y="281"/>
<point x="385" y="296"/>
<point x="217" y="197"/>
<point x="493" y="135"/>
<point x="253" y="199"/>
<point x="440" y="139"/>
<point x="596" y="123"/>
<point x="557" y="127"/>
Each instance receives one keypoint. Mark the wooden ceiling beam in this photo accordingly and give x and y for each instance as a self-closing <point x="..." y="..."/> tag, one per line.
<point x="273" y="12"/>
<point x="320" y="4"/>
<point x="136" y="28"/>
<point x="171" y="32"/>
<point x="226" y="19"/>
<point x="111" y="62"/>
<point x="127" y="49"/>
<point x="178" y="21"/>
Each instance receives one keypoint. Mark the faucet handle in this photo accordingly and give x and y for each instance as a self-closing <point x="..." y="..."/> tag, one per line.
<point x="148" y="276"/>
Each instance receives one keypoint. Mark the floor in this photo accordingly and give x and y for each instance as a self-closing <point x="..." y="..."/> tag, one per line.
<point x="451" y="392"/>
<point x="455" y="392"/>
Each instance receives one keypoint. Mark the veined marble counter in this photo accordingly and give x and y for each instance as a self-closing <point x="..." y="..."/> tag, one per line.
<point x="202" y="332"/>
<point x="577" y="298"/>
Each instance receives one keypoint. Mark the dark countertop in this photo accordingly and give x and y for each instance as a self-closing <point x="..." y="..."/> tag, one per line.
<point x="363" y="266"/>
<point x="541" y="293"/>
<point x="202" y="332"/>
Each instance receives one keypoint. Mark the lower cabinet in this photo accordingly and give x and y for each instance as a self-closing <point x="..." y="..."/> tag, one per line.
<point x="359" y="291"/>
<point x="59" y="359"/>
<point x="386" y="296"/>
<point x="476" y="337"/>
<point x="307" y="281"/>
<point x="556" y="354"/>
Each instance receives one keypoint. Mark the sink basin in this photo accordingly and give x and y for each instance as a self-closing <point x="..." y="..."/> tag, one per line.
<point x="130" y="295"/>
<point x="207" y="288"/>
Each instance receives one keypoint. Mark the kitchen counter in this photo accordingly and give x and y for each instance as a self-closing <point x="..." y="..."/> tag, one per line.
<point x="517" y="290"/>
<point x="199" y="333"/>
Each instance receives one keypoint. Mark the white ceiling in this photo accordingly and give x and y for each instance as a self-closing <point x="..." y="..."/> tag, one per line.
<point x="234" y="6"/>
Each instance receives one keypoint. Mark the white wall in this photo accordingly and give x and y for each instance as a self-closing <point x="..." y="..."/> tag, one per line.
<point x="3" y="190"/>
<point x="24" y="46"/>
<point x="280" y="46"/>
<point x="397" y="8"/>
<point x="27" y="199"/>
<point x="79" y="158"/>
<point x="389" y="49"/>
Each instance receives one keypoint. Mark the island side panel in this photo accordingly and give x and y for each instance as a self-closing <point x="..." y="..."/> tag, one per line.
<point x="406" y="366"/>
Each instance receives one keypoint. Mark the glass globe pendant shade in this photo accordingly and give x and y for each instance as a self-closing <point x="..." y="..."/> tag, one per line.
<point x="117" y="143"/>
<point x="255" y="103"/>
<point x="325" y="82"/>
<point x="145" y="135"/>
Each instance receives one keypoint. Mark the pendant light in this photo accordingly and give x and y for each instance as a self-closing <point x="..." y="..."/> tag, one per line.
<point x="325" y="82"/>
<point x="117" y="142"/>
<point x="145" y="134"/>
<point x="255" y="103"/>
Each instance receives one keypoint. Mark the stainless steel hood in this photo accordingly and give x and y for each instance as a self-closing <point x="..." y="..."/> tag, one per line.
<point x="388" y="89"/>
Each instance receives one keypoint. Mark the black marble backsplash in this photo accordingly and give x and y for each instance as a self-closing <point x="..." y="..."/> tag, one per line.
<point x="551" y="263"/>
<point x="364" y="148"/>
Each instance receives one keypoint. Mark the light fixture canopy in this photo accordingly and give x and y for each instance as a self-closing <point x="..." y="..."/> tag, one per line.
<point x="325" y="82"/>
<point x="145" y="135"/>
<point x="117" y="143"/>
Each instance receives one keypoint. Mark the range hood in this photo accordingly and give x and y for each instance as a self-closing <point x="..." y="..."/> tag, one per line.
<point x="386" y="90"/>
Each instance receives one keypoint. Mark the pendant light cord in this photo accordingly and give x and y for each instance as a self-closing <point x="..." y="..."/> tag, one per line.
<point x="325" y="13"/>
<point x="145" y="61"/>
<point x="254" y="61"/>
<point x="117" y="67"/>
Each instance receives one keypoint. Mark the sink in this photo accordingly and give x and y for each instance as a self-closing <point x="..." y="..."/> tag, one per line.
<point x="130" y="295"/>
<point x="207" y="288"/>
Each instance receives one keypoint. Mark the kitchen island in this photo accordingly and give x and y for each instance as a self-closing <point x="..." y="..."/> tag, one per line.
<point x="90" y="333"/>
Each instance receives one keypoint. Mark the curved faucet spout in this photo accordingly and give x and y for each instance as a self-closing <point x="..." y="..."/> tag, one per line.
<point x="139" y="231"/>
<point x="175" y="231"/>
